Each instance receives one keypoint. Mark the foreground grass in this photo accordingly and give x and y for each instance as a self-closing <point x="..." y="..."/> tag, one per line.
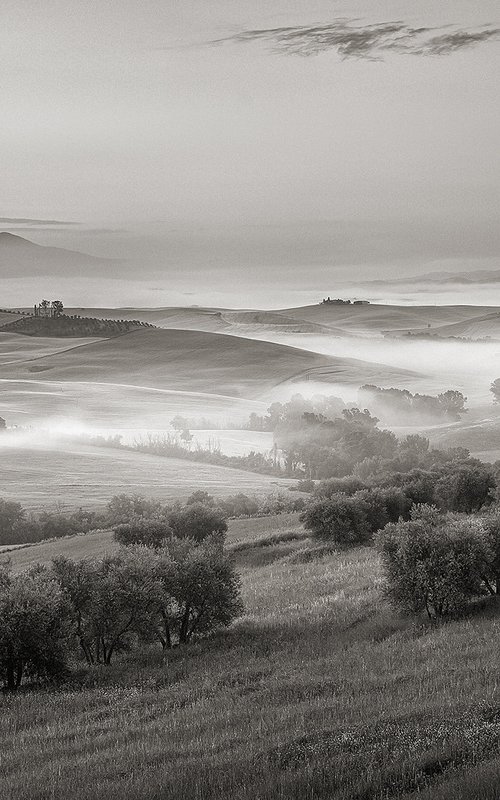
<point x="319" y="692"/>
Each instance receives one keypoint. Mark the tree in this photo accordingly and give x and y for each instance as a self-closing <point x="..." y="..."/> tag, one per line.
<point x="466" y="488"/>
<point x="112" y="599"/>
<point x="495" y="390"/>
<point x="57" y="307"/>
<point x="491" y="525"/>
<point x="433" y="562"/>
<point x="240" y="505"/>
<point x="11" y="516"/>
<point x="34" y="629"/>
<point x="124" y="507"/>
<point x="453" y="403"/>
<point x="201" y="590"/>
<point x="197" y="521"/>
<point x="339" y="519"/>
<point x="200" y="497"/>
<point x="140" y="530"/>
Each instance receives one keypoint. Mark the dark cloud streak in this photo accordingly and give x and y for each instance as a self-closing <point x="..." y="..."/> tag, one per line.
<point x="353" y="40"/>
<point x="24" y="221"/>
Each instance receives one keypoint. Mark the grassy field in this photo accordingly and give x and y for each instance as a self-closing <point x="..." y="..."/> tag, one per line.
<point x="179" y="359"/>
<point x="95" y="545"/>
<point x="378" y="317"/>
<point x="319" y="692"/>
<point x="79" y="475"/>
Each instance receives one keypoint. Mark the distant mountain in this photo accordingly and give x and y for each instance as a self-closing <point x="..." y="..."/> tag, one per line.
<point x="20" y="257"/>
<point x="469" y="277"/>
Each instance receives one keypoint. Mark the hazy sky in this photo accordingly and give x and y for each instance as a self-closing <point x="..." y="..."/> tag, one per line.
<point x="354" y="143"/>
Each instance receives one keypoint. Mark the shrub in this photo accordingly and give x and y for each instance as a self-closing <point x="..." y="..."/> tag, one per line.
<point x="434" y="562"/>
<point x="123" y="507"/>
<point x="240" y="505"/>
<point x="200" y="497"/>
<point x="349" y="486"/>
<point x="197" y="521"/>
<point x="148" y="532"/>
<point x="341" y="520"/>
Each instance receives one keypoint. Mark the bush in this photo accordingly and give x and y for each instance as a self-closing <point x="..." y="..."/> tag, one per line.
<point x="341" y="520"/>
<point x="349" y="486"/>
<point x="240" y="505"/>
<point x="278" y="503"/>
<point x="124" y="507"/>
<point x="197" y="521"/>
<point x="434" y="562"/>
<point x="200" y="497"/>
<point x="148" y="532"/>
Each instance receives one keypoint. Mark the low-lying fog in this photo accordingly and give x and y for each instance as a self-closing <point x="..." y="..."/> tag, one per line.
<point x="468" y="366"/>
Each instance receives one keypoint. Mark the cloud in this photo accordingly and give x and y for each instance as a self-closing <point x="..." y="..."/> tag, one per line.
<point x="353" y="40"/>
<point x="24" y="221"/>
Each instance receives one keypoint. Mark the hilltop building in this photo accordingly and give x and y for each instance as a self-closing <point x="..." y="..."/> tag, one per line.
<point x="339" y="302"/>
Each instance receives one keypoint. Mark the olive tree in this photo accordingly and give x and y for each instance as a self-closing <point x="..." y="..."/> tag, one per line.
<point x="34" y="628"/>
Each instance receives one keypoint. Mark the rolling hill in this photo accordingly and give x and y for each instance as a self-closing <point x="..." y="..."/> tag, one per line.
<point x="375" y="318"/>
<point x="197" y="361"/>
<point x="218" y="320"/>
<point x="478" y="327"/>
<point x="75" y="475"/>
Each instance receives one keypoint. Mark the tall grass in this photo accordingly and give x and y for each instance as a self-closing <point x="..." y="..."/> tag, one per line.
<point x="320" y="691"/>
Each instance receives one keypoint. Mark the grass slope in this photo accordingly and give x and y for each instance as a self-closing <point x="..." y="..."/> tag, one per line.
<point x="15" y="348"/>
<point x="188" y="360"/>
<point x="319" y="692"/>
<point x="479" y="327"/>
<point x="95" y="545"/>
<point x="378" y="318"/>
<point x="78" y="475"/>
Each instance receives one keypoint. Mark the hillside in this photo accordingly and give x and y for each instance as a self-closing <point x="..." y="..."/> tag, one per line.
<point x="77" y="475"/>
<point x="376" y="318"/>
<point x="212" y="319"/>
<point x="21" y="257"/>
<point x="479" y="327"/>
<point x="321" y="691"/>
<point x="70" y="326"/>
<point x="198" y="362"/>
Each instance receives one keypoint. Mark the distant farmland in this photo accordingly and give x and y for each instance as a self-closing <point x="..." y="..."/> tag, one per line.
<point x="85" y="476"/>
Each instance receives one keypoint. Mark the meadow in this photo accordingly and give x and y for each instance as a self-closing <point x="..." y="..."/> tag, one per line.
<point x="319" y="691"/>
<point x="75" y="475"/>
<point x="95" y="545"/>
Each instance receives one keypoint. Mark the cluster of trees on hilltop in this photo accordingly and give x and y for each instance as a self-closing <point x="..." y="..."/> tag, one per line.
<point x="399" y="406"/>
<point x="73" y="326"/>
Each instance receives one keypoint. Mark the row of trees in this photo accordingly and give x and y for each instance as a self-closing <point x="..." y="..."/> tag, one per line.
<point x="399" y="406"/>
<point x="18" y="526"/>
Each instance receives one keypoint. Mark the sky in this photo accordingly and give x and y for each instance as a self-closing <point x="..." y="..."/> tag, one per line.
<point x="235" y="153"/>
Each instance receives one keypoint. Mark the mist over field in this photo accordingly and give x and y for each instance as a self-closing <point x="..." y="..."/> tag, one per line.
<point x="250" y="400"/>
